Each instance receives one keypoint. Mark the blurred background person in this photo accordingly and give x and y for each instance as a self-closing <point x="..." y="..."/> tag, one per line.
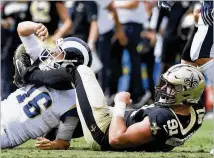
<point x="12" y="12"/>
<point x="109" y="29"/>
<point x="84" y="22"/>
<point x="51" y="14"/>
<point x="132" y="16"/>
<point x="84" y="16"/>
<point x="173" y="44"/>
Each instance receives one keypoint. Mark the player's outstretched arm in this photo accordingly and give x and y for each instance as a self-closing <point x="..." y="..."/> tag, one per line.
<point x="60" y="79"/>
<point x="46" y="144"/>
<point x="122" y="137"/>
<point x="27" y="28"/>
<point x="63" y="136"/>
<point x="28" y="31"/>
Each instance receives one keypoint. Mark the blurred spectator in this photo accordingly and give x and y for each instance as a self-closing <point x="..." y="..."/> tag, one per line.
<point x="146" y="50"/>
<point x="132" y="15"/>
<point x="84" y="22"/>
<point x="109" y="30"/>
<point x="172" y="43"/>
<point x="50" y="13"/>
<point x="85" y="27"/>
<point x="12" y="14"/>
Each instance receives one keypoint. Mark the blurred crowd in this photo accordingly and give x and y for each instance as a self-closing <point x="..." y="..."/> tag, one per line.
<point x="132" y="42"/>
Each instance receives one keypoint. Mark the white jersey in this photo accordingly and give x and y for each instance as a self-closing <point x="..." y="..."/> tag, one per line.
<point x="32" y="111"/>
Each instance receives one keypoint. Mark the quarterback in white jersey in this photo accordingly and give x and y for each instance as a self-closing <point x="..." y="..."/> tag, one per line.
<point x="32" y="111"/>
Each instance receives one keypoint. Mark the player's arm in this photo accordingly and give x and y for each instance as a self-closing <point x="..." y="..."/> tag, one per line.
<point x="119" y="135"/>
<point x="28" y="28"/>
<point x="28" y="31"/>
<point x="63" y="136"/>
<point x="122" y="137"/>
<point x="60" y="79"/>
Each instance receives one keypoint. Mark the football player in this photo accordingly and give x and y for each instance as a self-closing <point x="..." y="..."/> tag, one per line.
<point x="33" y="110"/>
<point x="175" y="116"/>
<point x="199" y="49"/>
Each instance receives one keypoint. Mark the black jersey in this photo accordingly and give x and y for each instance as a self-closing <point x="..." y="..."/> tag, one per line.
<point x="44" y="12"/>
<point x="83" y="13"/>
<point x="168" y="129"/>
<point x="206" y="10"/>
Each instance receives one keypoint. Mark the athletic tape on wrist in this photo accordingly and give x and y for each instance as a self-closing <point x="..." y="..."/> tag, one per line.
<point x="119" y="109"/>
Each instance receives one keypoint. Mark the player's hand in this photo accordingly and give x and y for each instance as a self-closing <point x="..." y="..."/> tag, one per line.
<point x="43" y="144"/>
<point x="123" y="97"/>
<point x="41" y="31"/>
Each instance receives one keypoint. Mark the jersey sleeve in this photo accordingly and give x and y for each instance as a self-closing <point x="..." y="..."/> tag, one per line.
<point x="32" y="46"/>
<point x="66" y="128"/>
<point x="91" y="11"/>
<point x="158" y="123"/>
<point x="60" y="79"/>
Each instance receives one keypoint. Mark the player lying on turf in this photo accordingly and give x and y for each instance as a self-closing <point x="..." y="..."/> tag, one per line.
<point x="174" y="118"/>
<point x="32" y="111"/>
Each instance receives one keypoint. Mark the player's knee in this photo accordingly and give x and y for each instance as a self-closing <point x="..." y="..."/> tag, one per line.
<point x="83" y="69"/>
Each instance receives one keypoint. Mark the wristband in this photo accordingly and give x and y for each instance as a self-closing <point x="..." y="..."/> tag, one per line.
<point x="119" y="109"/>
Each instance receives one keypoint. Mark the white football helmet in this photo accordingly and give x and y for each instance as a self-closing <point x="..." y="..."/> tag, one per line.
<point x="181" y="84"/>
<point x="69" y="50"/>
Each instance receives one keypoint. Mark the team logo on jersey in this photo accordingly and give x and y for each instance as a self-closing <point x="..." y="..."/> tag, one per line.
<point x="191" y="82"/>
<point x="154" y="128"/>
<point x="93" y="128"/>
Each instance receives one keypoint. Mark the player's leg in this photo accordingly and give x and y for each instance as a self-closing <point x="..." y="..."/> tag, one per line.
<point x="185" y="57"/>
<point x="4" y="139"/>
<point x="202" y="51"/>
<point x="94" y="113"/>
<point x="208" y="70"/>
<point x="207" y="51"/>
<point x="5" y="142"/>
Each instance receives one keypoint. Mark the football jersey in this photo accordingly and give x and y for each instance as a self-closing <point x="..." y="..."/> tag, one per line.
<point x="168" y="129"/>
<point x="32" y="111"/>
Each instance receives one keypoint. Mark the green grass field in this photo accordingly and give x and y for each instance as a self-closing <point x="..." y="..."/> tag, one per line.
<point x="196" y="147"/>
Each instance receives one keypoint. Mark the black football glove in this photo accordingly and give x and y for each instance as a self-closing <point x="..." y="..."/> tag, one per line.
<point x="21" y="61"/>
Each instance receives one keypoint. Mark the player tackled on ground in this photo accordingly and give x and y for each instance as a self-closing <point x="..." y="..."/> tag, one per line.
<point x="33" y="110"/>
<point x="175" y="116"/>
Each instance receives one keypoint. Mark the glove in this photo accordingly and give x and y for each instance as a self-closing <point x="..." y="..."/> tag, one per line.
<point x="166" y="4"/>
<point x="21" y="61"/>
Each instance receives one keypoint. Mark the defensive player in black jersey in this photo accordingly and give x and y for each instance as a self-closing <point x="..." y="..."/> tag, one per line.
<point x="174" y="118"/>
<point x="199" y="49"/>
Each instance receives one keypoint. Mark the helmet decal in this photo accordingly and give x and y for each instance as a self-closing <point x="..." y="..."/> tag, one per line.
<point x="191" y="82"/>
<point x="180" y="84"/>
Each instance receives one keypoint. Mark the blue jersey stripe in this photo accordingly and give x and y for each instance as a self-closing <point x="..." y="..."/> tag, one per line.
<point x="207" y="12"/>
